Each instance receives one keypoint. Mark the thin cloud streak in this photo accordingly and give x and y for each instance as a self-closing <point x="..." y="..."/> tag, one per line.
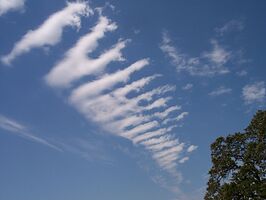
<point x="108" y="81"/>
<point x="254" y="93"/>
<point x="183" y="160"/>
<point x="21" y="131"/>
<point x="11" y="5"/>
<point x="117" y="102"/>
<point x="191" y="148"/>
<point x="181" y="116"/>
<point x="230" y="26"/>
<point x="50" y="32"/>
<point x="62" y="74"/>
<point x="208" y="63"/>
<point x="188" y="86"/>
<point x="220" y="91"/>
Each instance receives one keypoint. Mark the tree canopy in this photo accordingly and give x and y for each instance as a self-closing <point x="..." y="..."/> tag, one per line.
<point x="239" y="164"/>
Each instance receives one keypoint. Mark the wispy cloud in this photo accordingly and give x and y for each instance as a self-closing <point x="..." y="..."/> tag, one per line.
<point x="62" y="75"/>
<point x="20" y="130"/>
<point x="50" y="32"/>
<point x="254" y="93"/>
<point x="106" y="82"/>
<point x="124" y="116"/>
<point x="191" y="148"/>
<point x="11" y="5"/>
<point x="188" y="86"/>
<point x="119" y="102"/>
<point x="175" y="119"/>
<point x="242" y="73"/>
<point x="208" y="63"/>
<point x="232" y="25"/>
<point x="183" y="160"/>
<point x="217" y="55"/>
<point x="92" y="149"/>
<point x="220" y="91"/>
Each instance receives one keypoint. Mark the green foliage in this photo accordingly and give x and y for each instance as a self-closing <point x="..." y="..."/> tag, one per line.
<point x="239" y="164"/>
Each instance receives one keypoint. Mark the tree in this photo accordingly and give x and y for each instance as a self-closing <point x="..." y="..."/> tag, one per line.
<point x="239" y="164"/>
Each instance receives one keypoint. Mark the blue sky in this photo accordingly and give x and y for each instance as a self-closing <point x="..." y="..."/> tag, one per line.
<point x="122" y="99"/>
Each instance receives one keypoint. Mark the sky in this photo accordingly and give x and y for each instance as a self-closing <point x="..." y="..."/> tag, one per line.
<point x="122" y="99"/>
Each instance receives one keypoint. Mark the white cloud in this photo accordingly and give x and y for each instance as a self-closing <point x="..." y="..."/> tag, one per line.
<point x="162" y="102"/>
<point x="175" y="119"/>
<point x="124" y="123"/>
<point x="131" y="133"/>
<point x="50" y="32"/>
<point x="123" y="116"/>
<point x="176" y="57"/>
<point x="166" y="112"/>
<point x="111" y="106"/>
<point x="116" y="104"/>
<point x="255" y="92"/>
<point x="76" y="64"/>
<point x="183" y="160"/>
<point x="11" y="5"/>
<point x="89" y="148"/>
<point x="134" y="86"/>
<point x="11" y="125"/>
<point x="209" y="63"/>
<point x="220" y="91"/>
<point x="106" y="82"/>
<point x="218" y="55"/>
<point x="155" y="141"/>
<point x="191" y="148"/>
<point x="188" y="86"/>
<point x="119" y="102"/>
<point x="242" y="73"/>
<point x="233" y="25"/>
<point x="181" y="116"/>
<point x="22" y="131"/>
<point x="150" y="134"/>
<point x="173" y="150"/>
<point x="162" y="143"/>
<point x="165" y="157"/>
